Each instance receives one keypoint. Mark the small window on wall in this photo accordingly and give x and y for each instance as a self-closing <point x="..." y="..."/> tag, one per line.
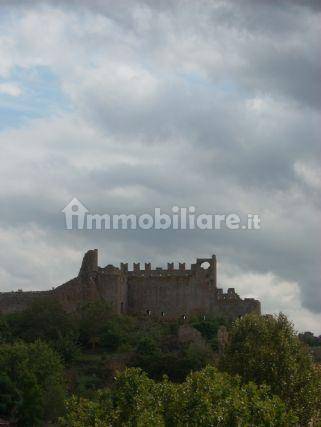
<point x="148" y="312"/>
<point x="122" y="308"/>
<point x="163" y="313"/>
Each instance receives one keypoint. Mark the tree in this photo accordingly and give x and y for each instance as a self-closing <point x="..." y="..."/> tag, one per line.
<point x="135" y="400"/>
<point x="206" y="398"/>
<point x="9" y="395"/>
<point x="92" y="317"/>
<point x="117" y="333"/>
<point x="32" y="382"/>
<point x="309" y="339"/>
<point x="161" y="353"/>
<point x="209" y="327"/>
<point x="5" y="332"/>
<point x="81" y="412"/>
<point x="211" y="398"/>
<point x="266" y="350"/>
<point x="46" y="320"/>
<point x="132" y="401"/>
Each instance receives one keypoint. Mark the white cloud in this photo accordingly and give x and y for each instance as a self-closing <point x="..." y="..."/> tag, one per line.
<point x="276" y="295"/>
<point x="310" y="174"/>
<point x="11" y="89"/>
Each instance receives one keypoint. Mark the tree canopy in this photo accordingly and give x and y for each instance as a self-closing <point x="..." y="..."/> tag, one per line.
<point x="206" y="398"/>
<point x="32" y="385"/>
<point x="266" y="350"/>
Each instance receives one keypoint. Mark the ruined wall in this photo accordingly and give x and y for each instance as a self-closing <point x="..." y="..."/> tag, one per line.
<point x="231" y="306"/>
<point x="89" y="264"/>
<point x="171" y="295"/>
<point x="76" y="292"/>
<point x="159" y="292"/>
<point x="81" y="289"/>
<point x="172" y="292"/>
<point x="112" y="287"/>
<point x="94" y="283"/>
<point x="174" y="297"/>
<point x="11" y="302"/>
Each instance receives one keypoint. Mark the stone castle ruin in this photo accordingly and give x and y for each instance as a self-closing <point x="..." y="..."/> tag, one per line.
<point x="168" y="293"/>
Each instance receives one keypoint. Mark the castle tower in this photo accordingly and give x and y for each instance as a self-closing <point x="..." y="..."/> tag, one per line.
<point x="89" y="264"/>
<point x="210" y="265"/>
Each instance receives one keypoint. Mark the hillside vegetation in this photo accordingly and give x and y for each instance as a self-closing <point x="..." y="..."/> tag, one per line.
<point x="94" y="368"/>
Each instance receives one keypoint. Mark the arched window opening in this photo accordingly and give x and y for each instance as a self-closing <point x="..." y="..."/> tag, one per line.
<point x="205" y="265"/>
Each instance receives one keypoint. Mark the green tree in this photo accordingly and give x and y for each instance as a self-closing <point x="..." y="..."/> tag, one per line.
<point x="92" y="317"/>
<point x="9" y="396"/>
<point x="211" y="398"/>
<point x="5" y="332"/>
<point x="208" y="328"/>
<point x="135" y="400"/>
<point x="81" y="412"/>
<point x="164" y="355"/>
<point x="266" y="350"/>
<point x="33" y="376"/>
<point x="132" y="401"/>
<point x="206" y="398"/>
<point x="116" y="333"/>
<point x="46" y="320"/>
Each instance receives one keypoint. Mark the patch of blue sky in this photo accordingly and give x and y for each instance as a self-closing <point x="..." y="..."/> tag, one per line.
<point x="225" y="86"/>
<point x="41" y="96"/>
<point x="194" y="79"/>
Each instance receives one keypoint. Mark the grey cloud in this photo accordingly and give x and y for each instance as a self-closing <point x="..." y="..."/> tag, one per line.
<point x="174" y="126"/>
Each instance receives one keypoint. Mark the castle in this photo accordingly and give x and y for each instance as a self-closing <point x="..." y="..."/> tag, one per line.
<point x="168" y="293"/>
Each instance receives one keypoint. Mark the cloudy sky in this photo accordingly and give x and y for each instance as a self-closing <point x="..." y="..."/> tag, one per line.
<point x="132" y="105"/>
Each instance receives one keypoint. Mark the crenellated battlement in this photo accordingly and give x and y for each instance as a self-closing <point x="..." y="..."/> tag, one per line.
<point x="230" y="295"/>
<point x="148" y="271"/>
<point x="171" y="270"/>
<point x="171" y="292"/>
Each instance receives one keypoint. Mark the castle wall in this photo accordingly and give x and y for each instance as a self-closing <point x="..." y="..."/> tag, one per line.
<point x="112" y="287"/>
<point x="233" y="309"/>
<point x="12" y="302"/>
<point x="174" y="295"/>
<point x="75" y="293"/>
<point x="89" y="263"/>
<point x="159" y="292"/>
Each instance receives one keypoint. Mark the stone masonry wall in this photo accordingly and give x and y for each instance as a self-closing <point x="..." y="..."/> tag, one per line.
<point x="169" y="293"/>
<point x="11" y="302"/>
